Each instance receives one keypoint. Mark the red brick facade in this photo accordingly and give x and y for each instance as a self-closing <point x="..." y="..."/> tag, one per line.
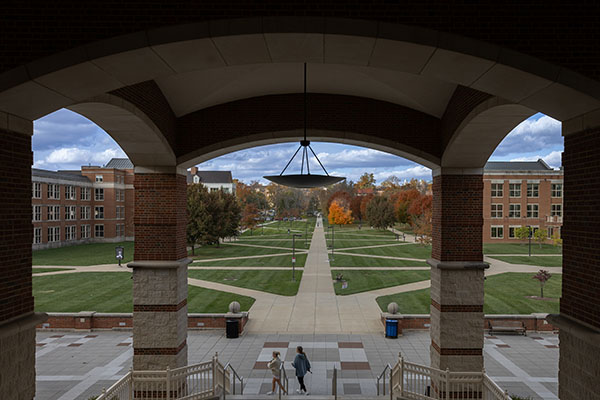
<point x="15" y="229"/>
<point x="160" y="217"/>
<point x="457" y="218"/>
<point x="581" y="237"/>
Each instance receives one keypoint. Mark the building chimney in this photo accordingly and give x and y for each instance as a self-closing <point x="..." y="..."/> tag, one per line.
<point x="194" y="170"/>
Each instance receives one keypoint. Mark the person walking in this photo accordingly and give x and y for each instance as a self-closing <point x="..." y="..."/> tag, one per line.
<point x="275" y="366"/>
<point x="302" y="366"/>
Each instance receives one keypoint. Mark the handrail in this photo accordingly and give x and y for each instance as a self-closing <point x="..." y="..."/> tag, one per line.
<point x="382" y="375"/>
<point x="334" y="383"/>
<point x="235" y="376"/>
<point x="282" y="376"/>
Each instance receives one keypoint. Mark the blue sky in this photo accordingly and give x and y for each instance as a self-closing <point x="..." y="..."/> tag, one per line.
<point x="66" y="140"/>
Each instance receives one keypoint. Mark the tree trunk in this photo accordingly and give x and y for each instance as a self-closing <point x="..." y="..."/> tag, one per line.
<point x="542" y="291"/>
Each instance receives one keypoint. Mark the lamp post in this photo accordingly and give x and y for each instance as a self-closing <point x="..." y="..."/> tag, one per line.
<point x="294" y="235"/>
<point x="119" y="253"/>
<point x="306" y="233"/>
<point x="332" y="227"/>
<point x="529" y="237"/>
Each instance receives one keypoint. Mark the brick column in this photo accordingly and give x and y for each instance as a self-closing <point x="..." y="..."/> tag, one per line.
<point x="17" y="319"/>
<point x="159" y="270"/>
<point x="579" y="319"/>
<point x="457" y="272"/>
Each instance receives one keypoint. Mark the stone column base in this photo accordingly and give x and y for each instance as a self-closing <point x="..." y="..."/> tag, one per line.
<point x="17" y="356"/>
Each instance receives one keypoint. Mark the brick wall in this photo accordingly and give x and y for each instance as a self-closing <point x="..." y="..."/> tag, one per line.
<point x="160" y="217"/>
<point x="457" y="218"/>
<point x="462" y="102"/>
<point x="565" y="34"/>
<point x="581" y="236"/>
<point x="15" y="229"/>
<point x="325" y="112"/>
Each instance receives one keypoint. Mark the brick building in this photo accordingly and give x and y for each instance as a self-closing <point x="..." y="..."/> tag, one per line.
<point x="519" y="194"/>
<point x="91" y="205"/>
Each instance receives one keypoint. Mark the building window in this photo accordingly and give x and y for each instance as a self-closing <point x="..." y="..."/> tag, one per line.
<point x="37" y="213"/>
<point x="556" y="210"/>
<point x="85" y="194"/>
<point x="70" y="213"/>
<point x="98" y="230"/>
<point x="99" y="212"/>
<point x="514" y="189"/>
<point x="497" y="232"/>
<point x="53" y="213"/>
<point x="533" y="210"/>
<point x="214" y="189"/>
<point x="53" y="191"/>
<point x="497" y="190"/>
<point x="120" y="212"/>
<point x="196" y="179"/>
<point x="556" y="189"/>
<point x="120" y="194"/>
<point x="54" y="234"/>
<point x="70" y="192"/>
<point x="37" y="190"/>
<point x="71" y="232"/>
<point x="99" y="194"/>
<point x="512" y="232"/>
<point x="84" y="212"/>
<point x="120" y="230"/>
<point x="85" y="231"/>
<point x="37" y="235"/>
<point x="99" y="178"/>
<point x="533" y="190"/>
<point x="497" y="210"/>
<point x="514" y="211"/>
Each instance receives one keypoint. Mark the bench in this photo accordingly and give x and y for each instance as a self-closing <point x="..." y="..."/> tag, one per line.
<point x="507" y="327"/>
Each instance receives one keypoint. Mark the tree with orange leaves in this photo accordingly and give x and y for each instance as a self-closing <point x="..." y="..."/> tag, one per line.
<point x="339" y="215"/>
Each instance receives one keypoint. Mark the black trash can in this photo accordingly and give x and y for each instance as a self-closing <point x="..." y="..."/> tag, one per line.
<point x="391" y="328"/>
<point x="232" y="328"/>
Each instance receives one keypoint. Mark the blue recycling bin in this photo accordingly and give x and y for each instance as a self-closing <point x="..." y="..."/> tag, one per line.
<point x="391" y="328"/>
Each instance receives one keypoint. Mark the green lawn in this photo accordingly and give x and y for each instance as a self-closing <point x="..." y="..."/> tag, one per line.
<point x="540" y="261"/>
<point x="520" y="248"/>
<point x="343" y="261"/>
<point x="408" y="251"/>
<point x="271" y="281"/>
<point x="227" y="250"/>
<point x="343" y="243"/>
<point x="364" y="280"/>
<point x="504" y="294"/>
<point x="42" y="270"/>
<point x="275" y="261"/>
<point x="278" y="242"/>
<point x="83" y="254"/>
<point x="281" y="227"/>
<point x="111" y="292"/>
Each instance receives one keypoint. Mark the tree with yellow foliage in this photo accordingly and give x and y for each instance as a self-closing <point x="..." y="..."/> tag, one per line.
<point x="338" y="215"/>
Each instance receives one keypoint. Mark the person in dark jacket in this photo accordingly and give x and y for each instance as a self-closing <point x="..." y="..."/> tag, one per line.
<point x="302" y="366"/>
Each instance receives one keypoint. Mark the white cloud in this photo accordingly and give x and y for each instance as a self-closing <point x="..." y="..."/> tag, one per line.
<point x="532" y="135"/>
<point x="553" y="159"/>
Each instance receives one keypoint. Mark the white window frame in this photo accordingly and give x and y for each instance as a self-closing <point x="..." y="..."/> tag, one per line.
<point x="556" y="210"/>
<point x="53" y="191"/>
<point x="533" y="210"/>
<point x="498" y="229"/>
<point x="513" y="227"/>
<point x="53" y="213"/>
<point x="99" y="178"/>
<point x="556" y="190"/>
<point x="533" y="190"/>
<point x="36" y="190"/>
<point x="53" y="234"/>
<point x="70" y="192"/>
<point x="71" y="232"/>
<point x="513" y="189"/>
<point x="497" y="210"/>
<point x="99" y="194"/>
<point x="85" y="212"/>
<point x="37" y="213"/>
<point x="85" y="231"/>
<point x="101" y="226"/>
<point x="512" y="210"/>
<point x="86" y="194"/>
<point x="497" y="190"/>
<point x="37" y="235"/>
<point x="70" y="213"/>
<point x="99" y="212"/>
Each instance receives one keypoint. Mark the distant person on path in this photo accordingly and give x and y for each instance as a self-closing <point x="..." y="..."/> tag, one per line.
<point x="275" y="366"/>
<point x="302" y="366"/>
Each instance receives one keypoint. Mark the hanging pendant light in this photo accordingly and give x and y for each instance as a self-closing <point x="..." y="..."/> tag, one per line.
<point x="303" y="180"/>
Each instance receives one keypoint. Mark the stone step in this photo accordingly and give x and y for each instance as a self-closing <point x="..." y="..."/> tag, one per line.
<point x="298" y="397"/>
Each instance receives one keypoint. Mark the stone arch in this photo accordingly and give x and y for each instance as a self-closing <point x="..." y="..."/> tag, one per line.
<point x="132" y="129"/>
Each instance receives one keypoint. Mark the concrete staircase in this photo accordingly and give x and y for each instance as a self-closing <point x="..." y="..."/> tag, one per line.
<point x="298" y="397"/>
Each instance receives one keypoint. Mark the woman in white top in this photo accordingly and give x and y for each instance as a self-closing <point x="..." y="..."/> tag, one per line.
<point x="275" y="366"/>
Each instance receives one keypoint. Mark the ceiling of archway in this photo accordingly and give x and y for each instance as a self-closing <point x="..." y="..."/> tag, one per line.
<point x="192" y="91"/>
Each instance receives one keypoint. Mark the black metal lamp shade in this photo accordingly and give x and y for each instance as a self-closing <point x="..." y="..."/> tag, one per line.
<point x="304" y="181"/>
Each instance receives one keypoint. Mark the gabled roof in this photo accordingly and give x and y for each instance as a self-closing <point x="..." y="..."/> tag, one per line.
<point x="538" y="165"/>
<point x="211" y="177"/>
<point x="119" y="163"/>
<point x="62" y="175"/>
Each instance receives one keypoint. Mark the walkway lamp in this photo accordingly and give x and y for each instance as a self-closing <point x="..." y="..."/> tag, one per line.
<point x="294" y="236"/>
<point x="119" y="253"/>
<point x="306" y="233"/>
<point x="332" y="227"/>
<point x="529" y="237"/>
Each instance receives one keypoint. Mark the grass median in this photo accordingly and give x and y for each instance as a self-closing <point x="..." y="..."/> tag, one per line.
<point x="520" y="248"/>
<point x="508" y="293"/>
<point x="363" y="280"/>
<point x="538" y="261"/>
<point x="270" y="261"/>
<point x="349" y="261"/>
<point x="111" y="292"/>
<point x="83" y="254"/>
<point x="270" y="281"/>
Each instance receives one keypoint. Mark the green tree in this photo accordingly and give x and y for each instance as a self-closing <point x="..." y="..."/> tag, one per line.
<point x="197" y="214"/>
<point x="366" y="180"/>
<point x="380" y="212"/>
<point x="556" y="239"/>
<point x="542" y="276"/>
<point x="540" y="236"/>
<point x="522" y="233"/>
